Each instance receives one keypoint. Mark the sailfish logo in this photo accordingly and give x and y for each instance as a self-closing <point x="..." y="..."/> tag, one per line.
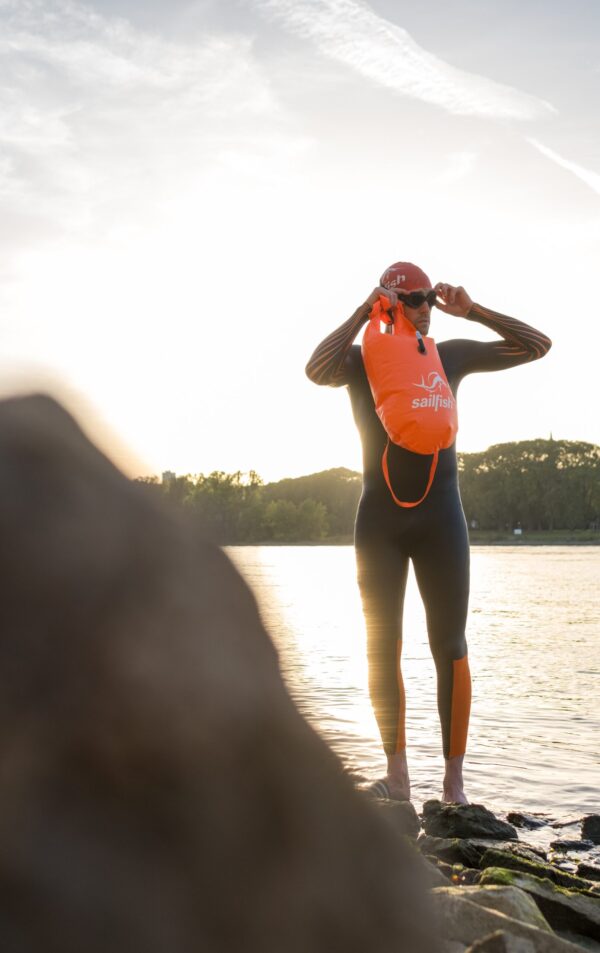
<point x="436" y="381"/>
<point x="434" y="388"/>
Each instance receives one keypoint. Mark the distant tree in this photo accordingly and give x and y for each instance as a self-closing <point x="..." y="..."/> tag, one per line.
<point x="217" y="501"/>
<point x="295" y="522"/>
<point x="338" y="490"/>
<point x="179" y="489"/>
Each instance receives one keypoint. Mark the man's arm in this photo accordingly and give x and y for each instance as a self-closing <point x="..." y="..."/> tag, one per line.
<point x="329" y="364"/>
<point x="520" y="343"/>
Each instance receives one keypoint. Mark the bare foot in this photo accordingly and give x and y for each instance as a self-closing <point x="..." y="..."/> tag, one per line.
<point x="397" y="777"/>
<point x="454" y="792"/>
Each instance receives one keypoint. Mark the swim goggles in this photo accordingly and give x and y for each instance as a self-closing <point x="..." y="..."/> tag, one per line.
<point x="414" y="299"/>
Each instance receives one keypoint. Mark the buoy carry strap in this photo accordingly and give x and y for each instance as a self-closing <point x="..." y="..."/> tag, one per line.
<point x="386" y="473"/>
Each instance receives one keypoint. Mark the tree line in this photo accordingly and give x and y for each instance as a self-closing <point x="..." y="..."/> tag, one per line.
<point x="532" y="484"/>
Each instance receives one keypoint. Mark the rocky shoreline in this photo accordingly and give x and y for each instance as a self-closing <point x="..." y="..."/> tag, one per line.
<point x="494" y="889"/>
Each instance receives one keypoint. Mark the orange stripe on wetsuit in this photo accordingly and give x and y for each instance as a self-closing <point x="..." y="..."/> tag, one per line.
<point x="401" y="727"/>
<point x="461" y="706"/>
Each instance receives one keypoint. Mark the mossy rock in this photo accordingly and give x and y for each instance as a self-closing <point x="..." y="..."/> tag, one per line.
<point x="589" y="871"/>
<point x="509" y="861"/>
<point x="564" y="909"/>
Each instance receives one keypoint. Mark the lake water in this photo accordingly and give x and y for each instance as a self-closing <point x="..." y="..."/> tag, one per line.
<point x="534" y="647"/>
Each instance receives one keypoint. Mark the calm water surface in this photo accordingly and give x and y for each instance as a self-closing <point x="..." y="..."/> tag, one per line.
<point x="534" y="648"/>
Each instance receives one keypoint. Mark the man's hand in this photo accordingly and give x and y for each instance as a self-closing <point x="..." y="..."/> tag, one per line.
<point x="453" y="300"/>
<point x="386" y="292"/>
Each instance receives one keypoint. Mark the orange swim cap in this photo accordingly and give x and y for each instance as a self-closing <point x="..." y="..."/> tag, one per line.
<point x="404" y="276"/>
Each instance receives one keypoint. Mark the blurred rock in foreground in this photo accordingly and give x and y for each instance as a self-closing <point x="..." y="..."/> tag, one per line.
<point x="159" y="792"/>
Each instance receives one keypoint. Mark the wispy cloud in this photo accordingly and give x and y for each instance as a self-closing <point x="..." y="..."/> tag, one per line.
<point x="589" y="178"/>
<point x="98" y="117"/>
<point x="352" y="33"/>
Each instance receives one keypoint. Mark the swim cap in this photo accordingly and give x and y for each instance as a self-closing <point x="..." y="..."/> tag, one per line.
<point x="404" y="276"/>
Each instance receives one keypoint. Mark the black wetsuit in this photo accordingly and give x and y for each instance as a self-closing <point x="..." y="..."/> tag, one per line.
<point x="433" y="534"/>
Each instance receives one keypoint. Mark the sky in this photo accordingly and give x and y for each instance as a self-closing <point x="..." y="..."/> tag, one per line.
<point x="193" y="194"/>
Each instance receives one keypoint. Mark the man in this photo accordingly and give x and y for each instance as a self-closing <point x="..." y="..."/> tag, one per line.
<point x="431" y="532"/>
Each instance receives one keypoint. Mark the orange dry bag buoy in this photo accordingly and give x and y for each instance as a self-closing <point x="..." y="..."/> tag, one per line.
<point x="412" y="396"/>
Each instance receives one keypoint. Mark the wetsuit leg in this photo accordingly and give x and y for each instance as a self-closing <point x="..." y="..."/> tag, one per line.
<point x="441" y="563"/>
<point x="382" y="572"/>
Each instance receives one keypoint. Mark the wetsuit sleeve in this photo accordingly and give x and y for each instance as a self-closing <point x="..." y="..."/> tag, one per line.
<point x="520" y="343"/>
<point x="331" y="363"/>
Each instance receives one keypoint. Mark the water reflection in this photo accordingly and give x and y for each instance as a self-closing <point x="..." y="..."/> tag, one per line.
<point x="534" y="654"/>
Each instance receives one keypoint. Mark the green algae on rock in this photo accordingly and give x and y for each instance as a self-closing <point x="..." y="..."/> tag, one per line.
<point x="564" y="909"/>
<point x="510" y="861"/>
<point x="460" y="920"/>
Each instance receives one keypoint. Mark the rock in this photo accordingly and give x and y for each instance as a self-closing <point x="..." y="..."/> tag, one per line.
<point x="510" y="901"/>
<point x="452" y="946"/>
<point x="509" y="861"/>
<point x="501" y="942"/>
<point x="470" y="850"/>
<point x="401" y="815"/>
<point x="464" y="820"/>
<point x="461" y="920"/>
<point x="565" y="845"/>
<point x="456" y="874"/>
<point x="563" y="862"/>
<point x="159" y="790"/>
<point x="433" y="875"/>
<point x="446" y="869"/>
<point x="589" y="871"/>
<point x="563" y="909"/>
<point x="517" y="848"/>
<point x="468" y="877"/>
<point x="528" y="821"/>
<point x="582" y="941"/>
<point x="453" y="850"/>
<point x="590" y="828"/>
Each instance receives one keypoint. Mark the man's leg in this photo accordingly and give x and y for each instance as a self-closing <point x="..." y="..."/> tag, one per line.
<point x="442" y="570"/>
<point x="382" y="573"/>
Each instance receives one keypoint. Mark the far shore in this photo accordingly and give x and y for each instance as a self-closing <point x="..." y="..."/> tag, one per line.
<point x="584" y="537"/>
<point x="476" y="538"/>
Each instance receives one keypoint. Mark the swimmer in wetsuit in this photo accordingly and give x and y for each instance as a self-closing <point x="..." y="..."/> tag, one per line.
<point x="432" y="534"/>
